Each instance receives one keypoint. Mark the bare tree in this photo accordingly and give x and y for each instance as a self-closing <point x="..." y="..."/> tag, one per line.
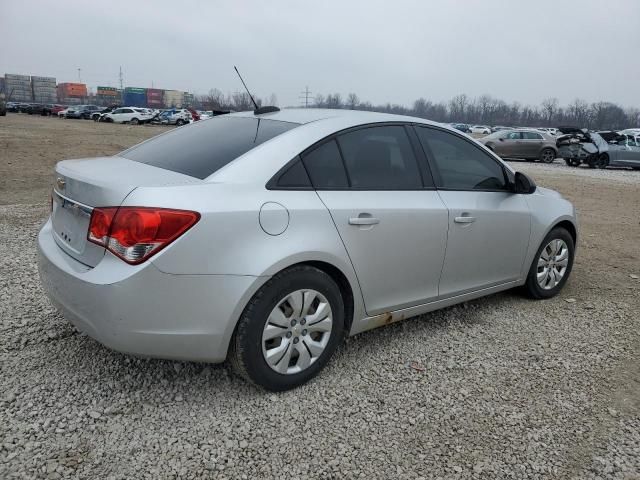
<point x="334" y="101"/>
<point x="352" y="101"/>
<point x="273" y="100"/>
<point x="549" y="108"/>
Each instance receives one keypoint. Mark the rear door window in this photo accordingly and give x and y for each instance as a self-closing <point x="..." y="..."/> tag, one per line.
<point x="206" y="146"/>
<point x="531" y="136"/>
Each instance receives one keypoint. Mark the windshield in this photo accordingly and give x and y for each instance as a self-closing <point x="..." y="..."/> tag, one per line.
<point x="206" y="146"/>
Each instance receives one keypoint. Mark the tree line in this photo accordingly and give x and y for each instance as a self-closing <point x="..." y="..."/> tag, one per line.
<point x="488" y="110"/>
<point x="485" y="110"/>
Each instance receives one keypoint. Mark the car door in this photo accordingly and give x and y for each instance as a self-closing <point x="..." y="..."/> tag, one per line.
<point x="509" y="145"/>
<point x="489" y="226"/>
<point x="532" y="143"/>
<point x="387" y="212"/>
<point x="628" y="152"/>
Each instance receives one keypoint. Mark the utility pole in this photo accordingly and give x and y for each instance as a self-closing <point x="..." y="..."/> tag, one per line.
<point x="304" y="96"/>
<point x="120" y="77"/>
<point x="79" y="77"/>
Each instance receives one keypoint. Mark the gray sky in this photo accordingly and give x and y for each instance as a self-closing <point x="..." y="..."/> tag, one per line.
<point x="385" y="51"/>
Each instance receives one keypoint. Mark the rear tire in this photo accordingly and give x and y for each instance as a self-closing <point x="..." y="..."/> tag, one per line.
<point x="248" y="346"/>
<point x="547" y="155"/>
<point x="134" y="121"/>
<point x="537" y="287"/>
<point x="179" y="122"/>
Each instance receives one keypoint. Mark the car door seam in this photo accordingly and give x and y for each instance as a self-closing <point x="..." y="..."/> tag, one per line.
<point x="355" y="272"/>
<point x="446" y="243"/>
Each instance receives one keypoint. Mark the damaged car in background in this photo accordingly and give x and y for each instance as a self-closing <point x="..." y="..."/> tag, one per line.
<point x="598" y="149"/>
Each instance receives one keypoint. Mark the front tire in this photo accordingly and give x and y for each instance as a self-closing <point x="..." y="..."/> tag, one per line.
<point x="603" y="160"/>
<point x="551" y="265"/>
<point x="179" y="122"/>
<point x="289" y="330"/>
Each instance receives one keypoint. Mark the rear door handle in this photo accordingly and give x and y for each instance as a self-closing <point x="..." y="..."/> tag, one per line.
<point x="363" y="221"/>
<point x="464" y="219"/>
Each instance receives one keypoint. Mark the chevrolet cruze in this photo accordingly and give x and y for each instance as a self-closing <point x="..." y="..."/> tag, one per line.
<point x="265" y="238"/>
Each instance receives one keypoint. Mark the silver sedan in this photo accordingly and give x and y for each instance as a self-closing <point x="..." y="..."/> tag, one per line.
<point x="266" y="238"/>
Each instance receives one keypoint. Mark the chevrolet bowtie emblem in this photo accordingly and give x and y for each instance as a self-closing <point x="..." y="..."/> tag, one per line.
<point x="60" y="183"/>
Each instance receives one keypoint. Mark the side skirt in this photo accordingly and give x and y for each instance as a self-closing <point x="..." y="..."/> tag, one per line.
<point x="387" y="318"/>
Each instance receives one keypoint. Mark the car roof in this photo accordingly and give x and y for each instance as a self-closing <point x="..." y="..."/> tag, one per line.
<point x="356" y="117"/>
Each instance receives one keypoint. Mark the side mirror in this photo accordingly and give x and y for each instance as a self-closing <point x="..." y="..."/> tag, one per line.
<point x="501" y="139"/>
<point x="524" y="184"/>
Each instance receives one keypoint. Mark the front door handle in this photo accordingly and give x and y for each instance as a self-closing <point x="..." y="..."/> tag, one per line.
<point x="464" y="219"/>
<point x="363" y="221"/>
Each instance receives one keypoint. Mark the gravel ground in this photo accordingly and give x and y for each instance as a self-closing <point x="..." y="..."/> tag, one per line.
<point x="500" y="387"/>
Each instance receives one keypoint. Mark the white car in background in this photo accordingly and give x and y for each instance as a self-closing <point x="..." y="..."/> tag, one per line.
<point x="130" y="115"/>
<point x="549" y="131"/>
<point x="483" y="129"/>
<point x="179" y="117"/>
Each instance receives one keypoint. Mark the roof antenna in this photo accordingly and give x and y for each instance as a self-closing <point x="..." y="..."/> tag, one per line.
<point x="258" y="110"/>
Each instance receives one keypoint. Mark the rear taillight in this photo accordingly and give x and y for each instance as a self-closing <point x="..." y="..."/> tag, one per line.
<point x="136" y="233"/>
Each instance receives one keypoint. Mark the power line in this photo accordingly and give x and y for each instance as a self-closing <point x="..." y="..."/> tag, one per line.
<point x="304" y="96"/>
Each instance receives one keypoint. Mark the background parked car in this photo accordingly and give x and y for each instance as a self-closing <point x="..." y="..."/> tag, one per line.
<point x="127" y="115"/>
<point x="82" y="111"/>
<point x="97" y="116"/>
<point x="463" y="127"/>
<point x="525" y="144"/>
<point x="622" y="150"/>
<point x="176" y="117"/>
<point x="483" y="129"/>
<point x="499" y="128"/>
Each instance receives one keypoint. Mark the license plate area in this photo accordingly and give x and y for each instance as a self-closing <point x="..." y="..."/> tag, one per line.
<point x="70" y="223"/>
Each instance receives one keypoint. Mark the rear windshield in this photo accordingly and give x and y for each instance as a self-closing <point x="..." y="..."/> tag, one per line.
<point x="206" y="146"/>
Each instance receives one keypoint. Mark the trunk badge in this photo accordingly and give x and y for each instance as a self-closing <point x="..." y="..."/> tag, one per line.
<point x="60" y="183"/>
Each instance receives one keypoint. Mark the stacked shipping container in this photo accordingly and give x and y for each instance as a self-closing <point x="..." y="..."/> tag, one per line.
<point x="155" y="98"/>
<point x="108" y="96"/>
<point x="44" y="89"/>
<point x="69" y="93"/>
<point x="18" y="88"/>
<point x="188" y="99"/>
<point x="135" y="97"/>
<point x="173" y="98"/>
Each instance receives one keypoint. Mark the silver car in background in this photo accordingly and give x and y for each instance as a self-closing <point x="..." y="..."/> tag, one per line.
<point x="527" y="144"/>
<point x="266" y="238"/>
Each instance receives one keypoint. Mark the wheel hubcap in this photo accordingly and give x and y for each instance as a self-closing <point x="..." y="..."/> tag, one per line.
<point x="552" y="264"/>
<point x="297" y="331"/>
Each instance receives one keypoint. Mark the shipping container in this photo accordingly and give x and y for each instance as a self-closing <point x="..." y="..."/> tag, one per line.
<point x="107" y="91"/>
<point x="155" y="98"/>
<point x="188" y="99"/>
<point x="173" y="98"/>
<point x="72" y="90"/>
<point x="43" y="80"/>
<point x="135" y="97"/>
<point x="13" y="76"/>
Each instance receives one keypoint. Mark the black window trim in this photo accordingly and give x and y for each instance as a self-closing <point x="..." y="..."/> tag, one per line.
<point x="421" y="160"/>
<point x="509" y="181"/>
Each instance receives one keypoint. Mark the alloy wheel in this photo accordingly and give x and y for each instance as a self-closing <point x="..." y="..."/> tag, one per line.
<point x="548" y="156"/>
<point x="297" y="331"/>
<point x="552" y="264"/>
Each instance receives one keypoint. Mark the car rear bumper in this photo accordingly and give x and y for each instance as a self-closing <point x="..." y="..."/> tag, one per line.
<point x="141" y="310"/>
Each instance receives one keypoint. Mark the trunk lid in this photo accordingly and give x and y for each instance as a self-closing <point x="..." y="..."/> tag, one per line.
<point x="81" y="185"/>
